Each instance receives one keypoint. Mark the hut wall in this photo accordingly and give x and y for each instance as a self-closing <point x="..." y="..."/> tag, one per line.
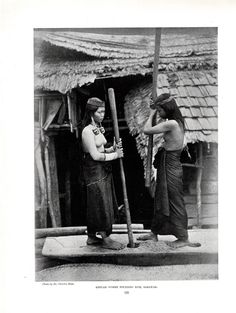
<point x="209" y="188"/>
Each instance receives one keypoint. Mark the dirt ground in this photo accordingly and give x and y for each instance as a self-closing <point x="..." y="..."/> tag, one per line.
<point x="111" y="272"/>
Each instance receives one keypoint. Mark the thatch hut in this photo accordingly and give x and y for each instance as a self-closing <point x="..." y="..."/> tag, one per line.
<point x="71" y="66"/>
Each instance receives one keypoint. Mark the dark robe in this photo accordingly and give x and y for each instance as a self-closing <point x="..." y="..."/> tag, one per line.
<point x="101" y="200"/>
<point x="170" y="216"/>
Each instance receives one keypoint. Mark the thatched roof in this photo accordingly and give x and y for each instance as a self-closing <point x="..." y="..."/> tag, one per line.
<point x="196" y="95"/>
<point x="95" y="56"/>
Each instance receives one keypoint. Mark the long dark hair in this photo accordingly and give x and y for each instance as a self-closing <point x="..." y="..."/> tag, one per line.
<point x="91" y="107"/>
<point x="172" y="111"/>
<point x="87" y="117"/>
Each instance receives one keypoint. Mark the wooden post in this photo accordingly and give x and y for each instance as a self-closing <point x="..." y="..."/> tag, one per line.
<point x="70" y="111"/>
<point x="111" y="96"/>
<point x="42" y="105"/>
<point x="39" y="164"/>
<point x="39" y="171"/>
<point x="154" y="97"/>
<point x="52" y="182"/>
<point x="198" y="186"/>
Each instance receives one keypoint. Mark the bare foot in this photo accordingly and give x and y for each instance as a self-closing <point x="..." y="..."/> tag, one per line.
<point x="108" y="243"/>
<point x="93" y="240"/>
<point x="182" y="243"/>
<point x="150" y="236"/>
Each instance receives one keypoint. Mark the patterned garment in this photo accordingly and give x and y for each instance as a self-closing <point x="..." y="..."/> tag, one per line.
<point x="170" y="216"/>
<point x="101" y="201"/>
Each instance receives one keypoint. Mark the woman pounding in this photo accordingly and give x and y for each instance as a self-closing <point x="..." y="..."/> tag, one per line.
<point x="101" y="198"/>
<point x="170" y="216"/>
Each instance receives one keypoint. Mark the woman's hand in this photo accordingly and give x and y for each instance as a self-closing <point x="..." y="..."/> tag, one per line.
<point x="117" y="145"/>
<point x="152" y="112"/>
<point x="120" y="152"/>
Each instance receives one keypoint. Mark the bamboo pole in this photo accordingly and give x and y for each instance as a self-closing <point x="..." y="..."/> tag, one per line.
<point x="111" y="96"/>
<point x="78" y="230"/>
<point x="154" y="97"/>
<point x="60" y="231"/>
<point x="198" y="186"/>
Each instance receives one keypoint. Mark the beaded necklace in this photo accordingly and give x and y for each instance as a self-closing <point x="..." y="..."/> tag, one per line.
<point x="98" y="129"/>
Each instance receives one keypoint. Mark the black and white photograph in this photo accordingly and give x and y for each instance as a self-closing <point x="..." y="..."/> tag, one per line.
<point x="126" y="154"/>
<point x="117" y="171"/>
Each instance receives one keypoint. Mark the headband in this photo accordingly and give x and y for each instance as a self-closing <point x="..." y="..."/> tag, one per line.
<point x="94" y="104"/>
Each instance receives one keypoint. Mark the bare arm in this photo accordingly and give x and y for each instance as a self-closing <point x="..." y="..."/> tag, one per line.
<point x="109" y="150"/>
<point x="89" y="144"/>
<point x="115" y="146"/>
<point x="161" y="127"/>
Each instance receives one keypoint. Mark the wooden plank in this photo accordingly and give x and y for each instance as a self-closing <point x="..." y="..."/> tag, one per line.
<point x="205" y="221"/>
<point x="191" y="165"/>
<point x="40" y="174"/>
<point x="210" y="187"/>
<point x="189" y="199"/>
<point x="208" y="210"/>
<point x="52" y="182"/>
<point x="211" y="198"/>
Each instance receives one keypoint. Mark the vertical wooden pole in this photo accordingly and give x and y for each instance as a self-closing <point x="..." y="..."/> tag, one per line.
<point x="52" y="182"/>
<point x="39" y="163"/>
<point x="69" y="111"/>
<point x="78" y="114"/>
<point x="156" y="61"/>
<point x="198" y="186"/>
<point x="154" y="97"/>
<point x="42" y="116"/>
<point x="39" y="172"/>
<point x="111" y="96"/>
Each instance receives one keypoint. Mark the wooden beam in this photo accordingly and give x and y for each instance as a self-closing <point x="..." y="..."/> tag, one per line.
<point x="60" y="231"/>
<point x="52" y="182"/>
<point x="198" y="185"/>
<point x="191" y="165"/>
<point x="78" y="230"/>
<point x="39" y="171"/>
